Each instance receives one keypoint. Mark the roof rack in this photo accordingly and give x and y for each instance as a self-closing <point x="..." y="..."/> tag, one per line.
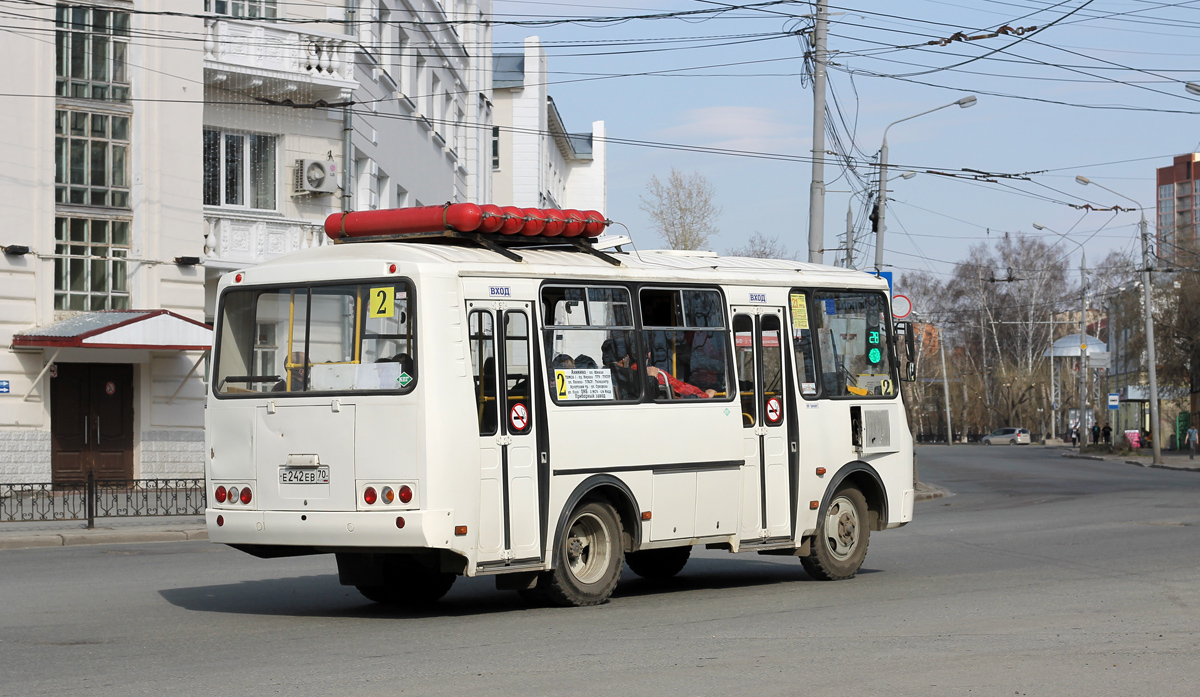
<point x="503" y="245"/>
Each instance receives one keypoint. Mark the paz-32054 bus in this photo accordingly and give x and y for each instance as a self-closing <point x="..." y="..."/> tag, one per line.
<point x="532" y="408"/>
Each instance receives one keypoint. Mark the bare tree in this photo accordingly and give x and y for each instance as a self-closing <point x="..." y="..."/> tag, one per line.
<point x="682" y="209"/>
<point x="759" y="246"/>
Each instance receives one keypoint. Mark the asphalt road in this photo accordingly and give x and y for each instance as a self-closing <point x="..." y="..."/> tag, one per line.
<point x="1040" y="576"/>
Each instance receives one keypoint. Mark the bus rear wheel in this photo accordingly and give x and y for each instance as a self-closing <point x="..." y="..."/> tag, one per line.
<point x="658" y="563"/>
<point x="840" y="545"/>
<point x="588" y="559"/>
<point x="409" y="584"/>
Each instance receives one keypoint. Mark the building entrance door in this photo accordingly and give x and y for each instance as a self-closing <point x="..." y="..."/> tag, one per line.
<point x="91" y="422"/>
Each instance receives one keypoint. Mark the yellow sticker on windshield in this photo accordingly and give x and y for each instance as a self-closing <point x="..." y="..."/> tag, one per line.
<point x="383" y="302"/>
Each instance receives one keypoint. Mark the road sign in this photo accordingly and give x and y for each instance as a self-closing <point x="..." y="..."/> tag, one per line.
<point x="519" y="417"/>
<point x="1114" y="400"/>
<point x="774" y="410"/>
<point x="901" y="306"/>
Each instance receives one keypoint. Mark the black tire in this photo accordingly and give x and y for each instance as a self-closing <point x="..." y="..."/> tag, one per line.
<point x="658" y="563"/>
<point x="408" y="585"/>
<point x="587" y="561"/>
<point x="837" y="554"/>
<point x="1012" y="442"/>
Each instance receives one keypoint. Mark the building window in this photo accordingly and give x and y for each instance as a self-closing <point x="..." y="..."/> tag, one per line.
<point x="91" y="46"/>
<point x="495" y="147"/>
<point x="254" y="9"/>
<point x="239" y="170"/>
<point x="91" y="158"/>
<point x="90" y="264"/>
<point x="1166" y="191"/>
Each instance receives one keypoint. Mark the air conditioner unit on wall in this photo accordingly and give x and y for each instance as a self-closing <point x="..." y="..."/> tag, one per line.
<point x="315" y="177"/>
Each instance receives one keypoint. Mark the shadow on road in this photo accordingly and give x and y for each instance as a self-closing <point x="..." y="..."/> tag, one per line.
<point x="320" y="595"/>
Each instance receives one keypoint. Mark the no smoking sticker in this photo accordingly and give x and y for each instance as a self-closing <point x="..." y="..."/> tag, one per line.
<point x="519" y="416"/>
<point x="110" y="388"/>
<point x="774" y="410"/>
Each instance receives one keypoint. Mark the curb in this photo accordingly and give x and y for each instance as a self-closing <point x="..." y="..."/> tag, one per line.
<point x="928" y="492"/>
<point x="1136" y="463"/>
<point x="103" y="537"/>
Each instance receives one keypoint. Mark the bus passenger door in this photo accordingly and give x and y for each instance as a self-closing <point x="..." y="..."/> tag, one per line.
<point x="766" y="495"/>
<point x="500" y="359"/>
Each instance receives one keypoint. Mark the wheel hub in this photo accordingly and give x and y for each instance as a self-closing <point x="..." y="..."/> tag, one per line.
<point x="846" y="529"/>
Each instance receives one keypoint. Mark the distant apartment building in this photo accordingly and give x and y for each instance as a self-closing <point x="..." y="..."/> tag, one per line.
<point x="1178" y="199"/>
<point x="536" y="161"/>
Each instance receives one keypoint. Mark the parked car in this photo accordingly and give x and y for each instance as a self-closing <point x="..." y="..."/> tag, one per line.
<point x="1011" y="436"/>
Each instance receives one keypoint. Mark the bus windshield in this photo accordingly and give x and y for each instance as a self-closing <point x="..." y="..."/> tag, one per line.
<point x="316" y="338"/>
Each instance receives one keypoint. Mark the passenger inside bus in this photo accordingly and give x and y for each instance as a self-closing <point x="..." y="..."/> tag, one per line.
<point x="297" y="374"/>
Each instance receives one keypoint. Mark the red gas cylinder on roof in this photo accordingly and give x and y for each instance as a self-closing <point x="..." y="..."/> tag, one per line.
<point x="466" y="217"/>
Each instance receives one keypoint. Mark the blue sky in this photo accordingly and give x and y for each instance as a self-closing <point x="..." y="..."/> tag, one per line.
<point x="1148" y="48"/>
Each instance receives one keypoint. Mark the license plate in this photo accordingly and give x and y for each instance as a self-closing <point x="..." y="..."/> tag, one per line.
<point x="304" y="475"/>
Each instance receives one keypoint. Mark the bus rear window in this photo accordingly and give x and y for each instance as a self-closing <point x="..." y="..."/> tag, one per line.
<point x="335" y="338"/>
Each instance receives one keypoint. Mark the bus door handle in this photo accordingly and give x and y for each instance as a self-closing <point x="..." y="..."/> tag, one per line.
<point x="503" y="440"/>
<point x="85" y="441"/>
<point x="97" y="430"/>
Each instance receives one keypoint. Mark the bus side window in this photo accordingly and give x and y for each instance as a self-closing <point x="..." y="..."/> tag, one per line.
<point x="483" y="367"/>
<point x="743" y="352"/>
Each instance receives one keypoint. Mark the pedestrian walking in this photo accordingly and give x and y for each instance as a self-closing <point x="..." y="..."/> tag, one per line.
<point x="1107" y="431"/>
<point x="1192" y="439"/>
<point x="1074" y="436"/>
<point x="1095" y="434"/>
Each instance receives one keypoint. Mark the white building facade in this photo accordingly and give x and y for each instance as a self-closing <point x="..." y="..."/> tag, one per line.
<point x="154" y="150"/>
<point x="103" y="214"/>
<point x="536" y="162"/>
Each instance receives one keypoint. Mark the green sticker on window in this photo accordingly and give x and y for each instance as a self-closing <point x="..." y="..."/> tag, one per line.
<point x="404" y="379"/>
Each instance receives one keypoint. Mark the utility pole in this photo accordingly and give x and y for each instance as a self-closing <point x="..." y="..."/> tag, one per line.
<point x="945" y="389"/>
<point x="816" y="195"/>
<point x="1148" y="306"/>
<point x="1083" y="367"/>
<point x="849" y="237"/>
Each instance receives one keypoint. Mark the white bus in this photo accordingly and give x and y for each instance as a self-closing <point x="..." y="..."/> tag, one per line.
<point x="547" y="415"/>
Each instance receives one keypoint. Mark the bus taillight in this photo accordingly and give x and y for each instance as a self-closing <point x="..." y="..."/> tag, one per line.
<point x="388" y="494"/>
<point x="246" y="495"/>
<point x="405" y="494"/>
<point x="220" y="494"/>
<point x="369" y="495"/>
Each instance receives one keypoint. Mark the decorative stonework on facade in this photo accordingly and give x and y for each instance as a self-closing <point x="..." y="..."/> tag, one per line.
<point x="174" y="453"/>
<point x="25" y="455"/>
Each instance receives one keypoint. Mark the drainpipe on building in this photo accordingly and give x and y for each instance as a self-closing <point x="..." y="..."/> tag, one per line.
<point x="347" y="116"/>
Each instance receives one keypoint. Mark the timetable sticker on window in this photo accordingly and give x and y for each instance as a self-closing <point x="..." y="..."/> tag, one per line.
<point x="383" y="302"/>
<point x="582" y="384"/>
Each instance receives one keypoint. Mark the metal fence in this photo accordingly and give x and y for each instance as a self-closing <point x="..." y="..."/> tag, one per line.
<point x="108" y="498"/>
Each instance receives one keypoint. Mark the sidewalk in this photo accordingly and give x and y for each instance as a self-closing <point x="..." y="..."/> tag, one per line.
<point x="41" y="533"/>
<point x="1172" y="459"/>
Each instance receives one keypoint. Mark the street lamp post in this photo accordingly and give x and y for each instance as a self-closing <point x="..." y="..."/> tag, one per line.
<point x="1147" y="308"/>
<point x="883" y="156"/>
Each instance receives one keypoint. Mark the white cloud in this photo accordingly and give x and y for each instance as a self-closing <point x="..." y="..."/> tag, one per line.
<point x="738" y="128"/>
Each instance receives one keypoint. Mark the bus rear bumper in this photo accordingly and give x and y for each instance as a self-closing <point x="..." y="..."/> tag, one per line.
<point x="422" y="529"/>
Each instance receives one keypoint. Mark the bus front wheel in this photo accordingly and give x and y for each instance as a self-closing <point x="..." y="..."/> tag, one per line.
<point x="588" y="559"/>
<point x="840" y="545"/>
